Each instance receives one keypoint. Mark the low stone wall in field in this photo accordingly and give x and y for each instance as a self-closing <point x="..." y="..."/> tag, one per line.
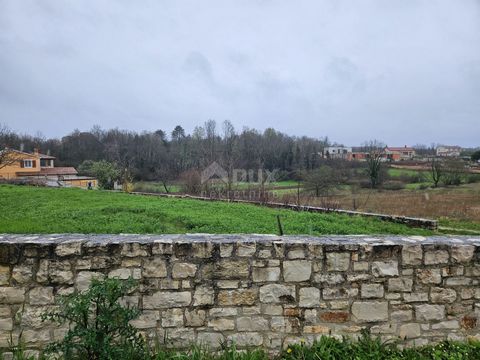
<point x="399" y="219"/>
<point x="253" y="290"/>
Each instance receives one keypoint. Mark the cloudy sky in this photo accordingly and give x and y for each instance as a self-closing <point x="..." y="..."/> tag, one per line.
<point x="402" y="71"/>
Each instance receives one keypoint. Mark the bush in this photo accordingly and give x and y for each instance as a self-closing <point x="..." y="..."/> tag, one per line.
<point x="99" y="326"/>
<point x="366" y="348"/>
<point x="105" y="172"/>
<point x="393" y="185"/>
<point x="472" y="178"/>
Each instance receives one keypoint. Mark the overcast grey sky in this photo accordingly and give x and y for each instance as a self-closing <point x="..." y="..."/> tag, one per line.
<point x="403" y="71"/>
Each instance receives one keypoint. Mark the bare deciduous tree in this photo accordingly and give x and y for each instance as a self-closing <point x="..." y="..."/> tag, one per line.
<point x="436" y="170"/>
<point x="7" y="155"/>
<point x="322" y="180"/>
<point x="375" y="155"/>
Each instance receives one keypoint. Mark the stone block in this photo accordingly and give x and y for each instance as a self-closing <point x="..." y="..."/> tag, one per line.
<point x="181" y="337"/>
<point x="268" y="274"/>
<point x="12" y="295"/>
<point x="338" y="261"/>
<point x="195" y="317"/>
<point x="401" y="315"/>
<point x="429" y="276"/>
<point x="22" y="274"/>
<point x="462" y="253"/>
<point x="159" y="248"/>
<point x="211" y="340"/>
<point x="277" y="294"/>
<point x="442" y="295"/>
<point x="202" y="250"/>
<point x="297" y="270"/>
<point x="231" y="269"/>
<point x="237" y="297"/>
<point x="246" y="249"/>
<point x="330" y="279"/>
<point x="246" y="339"/>
<point x="450" y="325"/>
<point x="84" y="279"/>
<point x="183" y="270"/>
<point x="385" y="268"/>
<point x="167" y="299"/>
<point x="410" y="331"/>
<point x="316" y="329"/>
<point x="415" y="297"/>
<point x="154" y="268"/>
<point x="69" y="248"/>
<point x="309" y="297"/>
<point x="222" y="324"/>
<point x="412" y="254"/>
<point x="400" y="284"/>
<point x="429" y="312"/>
<point x="6" y="324"/>
<point x="339" y="293"/>
<point x="296" y="254"/>
<point x="172" y="318"/>
<point x="372" y="291"/>
<point x="252" y="323"/>
<point x="334" y="316"/>
<point x="41" y="296"/>
<point x="4" y="275"/>
<point x="370" y="311"/>
<point x="434" y="257"/>
<point x="122" y="274"/>
<point x="146" y="320"/>
<point x="204" y="295"/>
<point x="134" y="250"/>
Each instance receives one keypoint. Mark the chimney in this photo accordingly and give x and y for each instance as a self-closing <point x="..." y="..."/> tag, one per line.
<point x="35" y="151"/>
<point x="22" y="147"/>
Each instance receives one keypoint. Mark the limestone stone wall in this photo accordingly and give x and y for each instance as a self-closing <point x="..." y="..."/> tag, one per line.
<point x="254" y="290"/>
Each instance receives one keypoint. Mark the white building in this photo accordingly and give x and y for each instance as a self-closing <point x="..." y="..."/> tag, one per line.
<point x="337" y="152"/>
<point x="449" y="151"/>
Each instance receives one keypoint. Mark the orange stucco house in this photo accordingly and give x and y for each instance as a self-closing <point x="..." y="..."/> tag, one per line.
<point x="20" y="165"/>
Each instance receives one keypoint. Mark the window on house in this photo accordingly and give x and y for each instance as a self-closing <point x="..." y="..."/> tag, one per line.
<point x="46" y="163"/>
<point x="28" y="163"/>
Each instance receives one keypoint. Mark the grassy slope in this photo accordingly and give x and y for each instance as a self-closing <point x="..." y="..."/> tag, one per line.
<point x="47" y="210"/>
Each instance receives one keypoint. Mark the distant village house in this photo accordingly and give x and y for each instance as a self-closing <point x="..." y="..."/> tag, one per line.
<point x="20" y="165"/>
<point x="337" y="152"/>
<point x="348" y="153"/>
<point x="449" y="151"/>
<point x="399" y="153"/>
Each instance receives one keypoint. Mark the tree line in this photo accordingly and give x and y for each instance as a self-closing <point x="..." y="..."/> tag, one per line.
<point x="159" y="155"/>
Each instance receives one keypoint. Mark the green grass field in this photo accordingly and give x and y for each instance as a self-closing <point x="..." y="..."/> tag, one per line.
<point x="399" y="172"/>
<point x="25" y="209"/>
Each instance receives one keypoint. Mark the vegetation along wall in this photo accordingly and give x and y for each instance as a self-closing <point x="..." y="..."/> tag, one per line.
<point x="253" y="290"/>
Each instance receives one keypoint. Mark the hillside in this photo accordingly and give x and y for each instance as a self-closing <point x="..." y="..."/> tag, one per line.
<point x="27" y="209"/>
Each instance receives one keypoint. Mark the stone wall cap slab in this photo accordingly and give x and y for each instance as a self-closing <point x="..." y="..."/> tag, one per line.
<point x="102" y="239"/>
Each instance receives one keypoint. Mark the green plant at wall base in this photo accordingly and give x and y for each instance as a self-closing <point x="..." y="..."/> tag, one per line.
<point x="99" y="326"/>
<point x="373" y="348"/>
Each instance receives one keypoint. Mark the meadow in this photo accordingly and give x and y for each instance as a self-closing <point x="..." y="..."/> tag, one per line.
<point x="27" y="209"/>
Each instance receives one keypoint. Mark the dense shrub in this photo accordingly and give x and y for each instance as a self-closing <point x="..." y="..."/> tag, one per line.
<point x="393" y="185"/>
<point x="472" y="178"/>
<point x="99" y="325"/>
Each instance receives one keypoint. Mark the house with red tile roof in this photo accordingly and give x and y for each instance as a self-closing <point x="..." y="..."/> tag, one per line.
<point x="20" y="165"/>
<point x="399" y="153"/>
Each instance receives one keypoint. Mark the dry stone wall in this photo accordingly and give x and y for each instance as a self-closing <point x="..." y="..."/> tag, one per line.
<point x="253" y="290"/>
